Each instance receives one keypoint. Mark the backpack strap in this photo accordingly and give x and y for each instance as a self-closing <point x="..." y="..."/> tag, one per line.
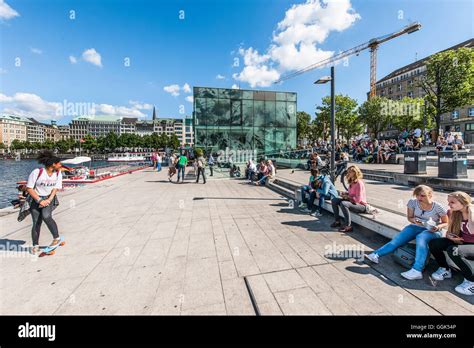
<point x="39" y="174"/>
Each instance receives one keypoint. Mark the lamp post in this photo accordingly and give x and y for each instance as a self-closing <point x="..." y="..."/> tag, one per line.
<point x="323" y="80"/>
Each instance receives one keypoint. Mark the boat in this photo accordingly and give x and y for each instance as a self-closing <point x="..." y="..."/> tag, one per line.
<point x="76" y="172"/>
<point x="129" y="157"/>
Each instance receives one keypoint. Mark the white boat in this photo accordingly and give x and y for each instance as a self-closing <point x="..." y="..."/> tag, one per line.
<point x="127" y="157"/>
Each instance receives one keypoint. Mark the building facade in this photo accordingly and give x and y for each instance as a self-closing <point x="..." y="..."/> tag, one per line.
<point x="404" y="81"/>
<point x="236" y="119"/>
<point x="34" y="131"/>
<point x="11" y="128"/>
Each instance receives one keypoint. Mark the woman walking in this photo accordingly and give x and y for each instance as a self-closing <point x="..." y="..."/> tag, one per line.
<point x="43" y="184"/>
<point x="458" y="243"/>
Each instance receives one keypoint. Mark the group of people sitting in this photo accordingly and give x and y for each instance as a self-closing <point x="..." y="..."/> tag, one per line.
<point x="449" y="142"/>
<point x="321" y="187"/>
<point x="260" y="174"/>
<point x="427" y="220"/>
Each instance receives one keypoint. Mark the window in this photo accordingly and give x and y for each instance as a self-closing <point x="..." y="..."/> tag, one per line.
<point x="410" y="94"/>
<point x="471" y="112"/>
<point x="390" y="90"/>
<point x="455" y="114"/>
<point x="470" y="126"/>
<point x="399" y="87"/>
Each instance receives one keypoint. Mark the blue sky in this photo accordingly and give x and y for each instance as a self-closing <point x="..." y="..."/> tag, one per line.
<point x="165" y="50"/>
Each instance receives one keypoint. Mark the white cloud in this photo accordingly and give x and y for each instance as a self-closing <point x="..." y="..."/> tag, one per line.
<point x="294" y="43"/>
<point x="140" y="105"/>
<point x="73" y="59"/>
<point x="172" y="89"/>
<point x="36" y="50"/>
<point x="32" y="105"/>
<point x="220" y="77"/>
<point x="92" y="56"/>
<point x="6" y="12"/>
<point x="3" y="71"/>
<point x="190" y="98"/>
<point x="234" y="86"/>
<point x="29" y="105"/>
<point x="186" y="88"/>
<point x="107" y="109"/>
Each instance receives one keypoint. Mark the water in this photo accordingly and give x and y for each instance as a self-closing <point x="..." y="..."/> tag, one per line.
<point x="12" y="171"/>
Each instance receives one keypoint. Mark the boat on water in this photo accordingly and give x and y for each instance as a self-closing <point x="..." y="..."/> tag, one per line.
<point x="129" y="157"/>
<point x="78" y="171"/>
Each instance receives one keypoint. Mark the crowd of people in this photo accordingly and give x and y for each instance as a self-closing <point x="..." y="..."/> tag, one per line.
<point x="427" y="220"/>
<point x="365" y="150"/>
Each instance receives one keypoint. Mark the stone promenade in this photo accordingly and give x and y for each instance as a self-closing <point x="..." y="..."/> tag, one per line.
<point x="138" y="244"/>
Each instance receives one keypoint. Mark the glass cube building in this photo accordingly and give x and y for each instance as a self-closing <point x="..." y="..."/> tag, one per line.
<point x="244" y="120"/>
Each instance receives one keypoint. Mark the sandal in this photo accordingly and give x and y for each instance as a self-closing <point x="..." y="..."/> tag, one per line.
<point x="336" y="224"/>
<point x="345" y="229"/>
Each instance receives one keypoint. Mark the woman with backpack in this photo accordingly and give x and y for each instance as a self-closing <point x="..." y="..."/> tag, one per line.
<point x="42" y="186"/>
<point x="458" y="243"/>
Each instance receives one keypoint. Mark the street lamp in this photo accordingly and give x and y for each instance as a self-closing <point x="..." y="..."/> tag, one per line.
<point x="323" y="80"/>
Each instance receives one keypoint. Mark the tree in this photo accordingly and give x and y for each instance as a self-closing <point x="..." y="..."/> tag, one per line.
<point x="111" y="141"/>
<point x="303" y="120"/>
<point x="449" y="81"/>
<point x="90" y="143"/>
<point x="173" y="142"/>
<point x="373" y="114"/>
<point x="347" y="120"/>
<point x="17" y="145"/>
<point x="407" y="113"/>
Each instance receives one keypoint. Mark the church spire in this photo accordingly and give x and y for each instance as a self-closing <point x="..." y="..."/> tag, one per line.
<point x="154" y="114"/>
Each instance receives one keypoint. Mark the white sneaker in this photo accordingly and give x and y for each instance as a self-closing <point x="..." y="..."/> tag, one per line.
<point x="302" y="205"/>
<point x="372" y="257"/>
<point x="306" y="210"/>
<point x="316" y="214"/>
<point x="412" y="274"/>
<point x="465" y="288"/>
<point x="441" y="274"/>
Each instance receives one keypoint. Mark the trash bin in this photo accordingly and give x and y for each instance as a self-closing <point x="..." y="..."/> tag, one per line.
<point x="452" y="164"/>
<point x="414" y="162"/>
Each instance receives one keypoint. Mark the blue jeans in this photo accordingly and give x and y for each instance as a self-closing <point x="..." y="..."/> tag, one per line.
<point x="180" y="170"/>
<point x="410" y="232"/>
<point x="263" y="180"/>
<point x="158" y="166"/>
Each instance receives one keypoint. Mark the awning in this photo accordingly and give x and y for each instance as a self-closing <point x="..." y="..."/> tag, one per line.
<point x="77" y="160"/>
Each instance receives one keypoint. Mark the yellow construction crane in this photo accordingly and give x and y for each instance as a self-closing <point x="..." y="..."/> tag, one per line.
<point x="372" y="45"/>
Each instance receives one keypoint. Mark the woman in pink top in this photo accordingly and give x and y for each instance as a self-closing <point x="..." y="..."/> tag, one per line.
<point x="354" y="200"/>
<point x="458" y="244"/>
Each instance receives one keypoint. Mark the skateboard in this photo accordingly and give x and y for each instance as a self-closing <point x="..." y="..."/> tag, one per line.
<point x="50" y="250"/>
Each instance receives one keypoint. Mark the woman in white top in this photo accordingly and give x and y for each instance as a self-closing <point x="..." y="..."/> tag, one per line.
<point x="43" y="184"/>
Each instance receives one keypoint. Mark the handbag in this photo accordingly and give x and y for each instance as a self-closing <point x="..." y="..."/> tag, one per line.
<point x="26" y="205"/>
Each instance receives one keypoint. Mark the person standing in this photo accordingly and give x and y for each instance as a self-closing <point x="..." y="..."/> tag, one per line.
<point x="42" y="186"/>
<point x="153" y="159"/>
<point x="201" y="169"/>
<point x="158" y="162"/>
<point x="172" y="166"/>
<point x="181" y="167"/>
<point x="210" y="162"/>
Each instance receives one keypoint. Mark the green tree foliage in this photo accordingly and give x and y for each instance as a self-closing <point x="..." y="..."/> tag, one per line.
<point x="303" y="120"/>
<point x="449" y="81"/>
<point x="372" y="114"/>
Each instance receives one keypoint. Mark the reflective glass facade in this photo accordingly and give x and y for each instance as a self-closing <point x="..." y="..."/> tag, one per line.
<point x="244" y="120"/>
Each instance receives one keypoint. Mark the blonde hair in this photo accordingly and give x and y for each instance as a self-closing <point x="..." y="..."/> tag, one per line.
<point x="423" y="189"/>
<point x="358" y="174"/>
<point x="455" y="219"/>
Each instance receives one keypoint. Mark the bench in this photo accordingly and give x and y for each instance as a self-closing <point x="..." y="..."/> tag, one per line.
<point x="385" y="223"/>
